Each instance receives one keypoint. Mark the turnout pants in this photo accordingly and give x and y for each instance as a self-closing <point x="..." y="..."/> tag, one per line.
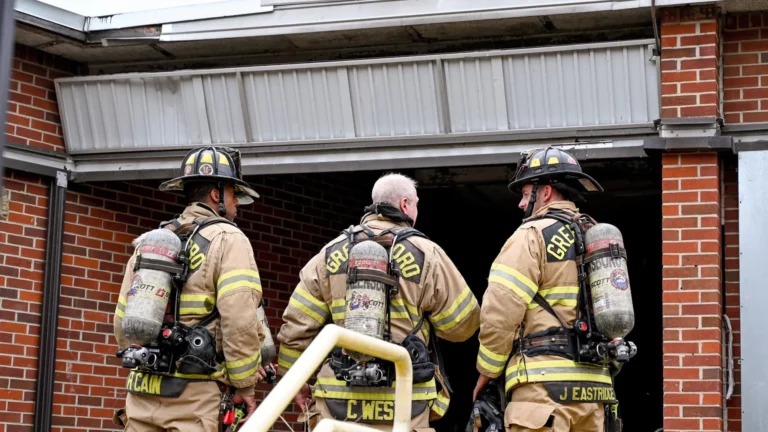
<point x="319" y="410"/>
<point x="195" y="410"/>
<point x="532" y="409"/>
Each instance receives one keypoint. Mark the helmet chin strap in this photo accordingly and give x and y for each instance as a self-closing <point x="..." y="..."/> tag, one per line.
<point x="532" y="201"/>
<point x="222" y="206"/>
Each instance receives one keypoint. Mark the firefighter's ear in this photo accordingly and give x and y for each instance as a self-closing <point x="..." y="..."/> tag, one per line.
<point x="214" y="195"/>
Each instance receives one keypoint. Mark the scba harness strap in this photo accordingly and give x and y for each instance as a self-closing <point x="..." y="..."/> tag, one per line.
<point x="424" y="357"/>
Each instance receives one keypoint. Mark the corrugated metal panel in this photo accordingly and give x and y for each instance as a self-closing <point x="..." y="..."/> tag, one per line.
<point x="753" y="204"/>
<point x="564" y="88"/>
<point x="583" y="86"/>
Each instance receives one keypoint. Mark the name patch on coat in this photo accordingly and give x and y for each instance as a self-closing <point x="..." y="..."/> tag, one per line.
<point x="155" y="385"/>
<point x="574" y="392"/>
<point x="559" y="240"/>
<point x="369" y="411"/>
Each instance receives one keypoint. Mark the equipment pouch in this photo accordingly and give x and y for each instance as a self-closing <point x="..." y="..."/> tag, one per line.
<point x="423" y="368"/>
<point x="200" y="355"/>
<point x="612" y="419"/>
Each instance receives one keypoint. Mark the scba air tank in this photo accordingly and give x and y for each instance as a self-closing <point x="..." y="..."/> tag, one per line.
<point x="147" y="299"/>
<point x="366" y="300"/>
<point x="268" y="349"/>
<point x="609" y="281"/>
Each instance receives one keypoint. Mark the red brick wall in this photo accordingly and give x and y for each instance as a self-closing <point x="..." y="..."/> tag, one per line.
<point x="689" y="66"/>
<point x="33" y="114"/>
<point x="745" y="72"/>
<point x="732" y="309"/>
<point x="692" y="300"/>
<point x="22" y="254"/>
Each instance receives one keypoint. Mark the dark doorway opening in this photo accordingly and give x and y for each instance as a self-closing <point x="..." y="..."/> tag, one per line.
<point x="470" y="213"/>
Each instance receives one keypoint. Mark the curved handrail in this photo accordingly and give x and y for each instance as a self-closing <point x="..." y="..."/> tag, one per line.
<point x="302" y="370"/>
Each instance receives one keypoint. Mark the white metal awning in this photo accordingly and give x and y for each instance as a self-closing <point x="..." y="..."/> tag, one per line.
<point x="433" y="99"/>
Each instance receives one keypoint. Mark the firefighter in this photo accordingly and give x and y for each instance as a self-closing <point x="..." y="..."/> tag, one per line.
<point x="429" y="285"/>
<point x="222" y="293"/>
<point x="545" y="388"/>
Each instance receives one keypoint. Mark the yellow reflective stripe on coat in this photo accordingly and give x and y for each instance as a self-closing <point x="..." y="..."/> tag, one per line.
<point x="555" y="370"/>
<point x="235" y="279"/>
<point x="514" y="280"/>
<point x="220" y="371"/>
<point x="287" y="357"/>
<point x="196" y="304"/>
<point x="120" y="310"/>
<point x="338" y="309"/>
<point x="565" y="295"/>
<point x="458" y="311"/>
<point x="307" y="303"/>
<point x="244" y="368"/>
<point x="490" y="361"/>
<point x="440" y="405"/>
<point x="331" y="388"/>
<point x="400" y="309"/>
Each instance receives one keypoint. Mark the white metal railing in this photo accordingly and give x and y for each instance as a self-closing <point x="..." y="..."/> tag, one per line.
<point x="331" y="336"/>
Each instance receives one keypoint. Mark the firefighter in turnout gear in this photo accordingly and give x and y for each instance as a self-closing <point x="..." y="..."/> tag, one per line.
<point x="212" y="314"/>
<point x="430" y="300"/>
<point x="532" y="298"/>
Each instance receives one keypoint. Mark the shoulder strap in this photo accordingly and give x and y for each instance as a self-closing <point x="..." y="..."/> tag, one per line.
<point x="571" y="221"/>
<point x="547" y="307"/>
<point x="199" y="224"/>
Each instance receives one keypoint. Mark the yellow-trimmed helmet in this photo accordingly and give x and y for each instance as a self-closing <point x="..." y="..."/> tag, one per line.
<point x="216" y="165"/>
<point x="552" y="166"/>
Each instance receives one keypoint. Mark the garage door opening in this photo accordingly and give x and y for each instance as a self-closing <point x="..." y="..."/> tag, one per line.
<point x="470" y="213"/>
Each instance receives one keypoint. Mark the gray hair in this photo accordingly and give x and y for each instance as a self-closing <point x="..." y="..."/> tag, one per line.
<point x="391" y="188"/>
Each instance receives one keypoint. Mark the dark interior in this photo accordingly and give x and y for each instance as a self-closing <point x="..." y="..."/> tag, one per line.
<point x="470" y="213"/>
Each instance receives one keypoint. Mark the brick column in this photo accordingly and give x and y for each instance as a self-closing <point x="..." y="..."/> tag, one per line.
<point x="689" y="62"/>
<point x="692" y="292"/>
<point x="692" y="238"/>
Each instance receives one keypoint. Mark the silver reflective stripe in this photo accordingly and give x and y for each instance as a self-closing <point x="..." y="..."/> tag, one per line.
<point x="467" y="300"/>
<point x="504" y="275"/>
<point x="564" y="296"/>
<point x="315" y="308"/>
<point x="121" y="306"/>
<point x="338" y="310"/>
<point x="441" y="405"/>
<point x="367" y="390"/>
<point x="288" y="359"/>
<point x="239" y="278"/>
<point x="206" y="305"/>
<point x="245" y="368"/>
<point x="557" y="370"/>
<point x="491" y="361"/>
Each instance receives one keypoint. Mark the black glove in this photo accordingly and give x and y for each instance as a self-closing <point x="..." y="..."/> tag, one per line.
<point x="487" y="409"/>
